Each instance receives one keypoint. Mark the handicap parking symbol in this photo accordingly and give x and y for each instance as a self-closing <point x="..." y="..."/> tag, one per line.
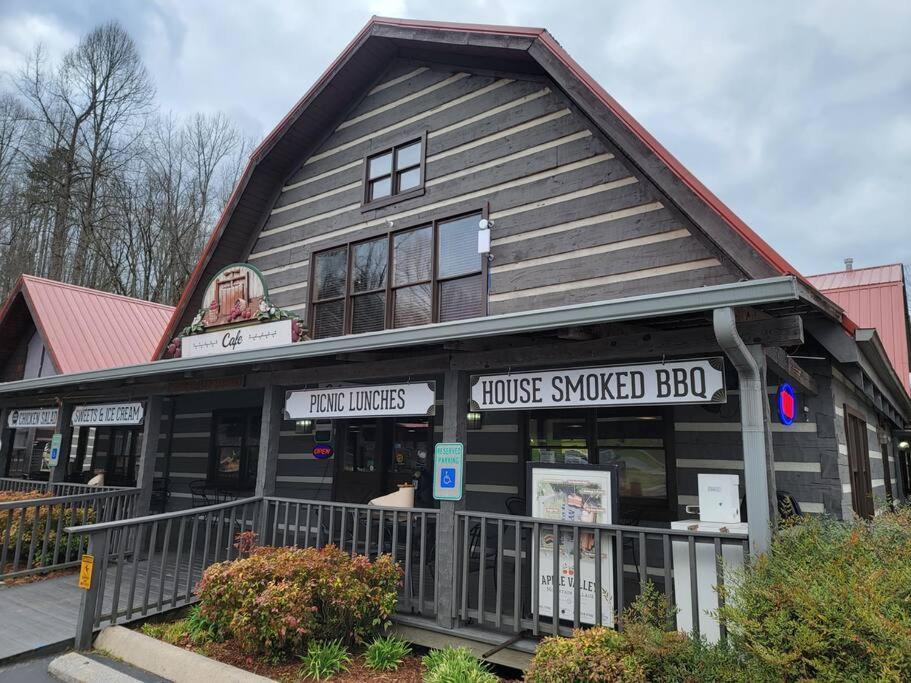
<point x="447" y="478"/>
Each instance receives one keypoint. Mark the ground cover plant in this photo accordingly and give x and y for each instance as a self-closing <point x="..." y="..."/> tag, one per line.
<point x="386" y="654"/>
<point x="455" y="665"/>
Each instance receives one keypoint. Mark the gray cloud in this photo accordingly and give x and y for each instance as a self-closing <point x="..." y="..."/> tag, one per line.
<point x="798" y="115"/>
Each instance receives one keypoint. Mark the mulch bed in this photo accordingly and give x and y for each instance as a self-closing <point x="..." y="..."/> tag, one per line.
<point x="32" y="578"/>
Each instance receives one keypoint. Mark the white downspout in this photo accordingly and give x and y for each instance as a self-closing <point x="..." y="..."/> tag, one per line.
<point x="752" y="395"/>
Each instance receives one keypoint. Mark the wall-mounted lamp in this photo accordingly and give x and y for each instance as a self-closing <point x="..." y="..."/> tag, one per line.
<point x="904" y="445"/>
<point x="474" y="420"/>
<point x="303" y="427"/>
<point x="484" y="226"/>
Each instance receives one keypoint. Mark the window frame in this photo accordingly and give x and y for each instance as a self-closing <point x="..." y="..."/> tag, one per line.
<point x="369" y="204"/>
<point x="483" y="212"/>
<point x="246" y="480"/>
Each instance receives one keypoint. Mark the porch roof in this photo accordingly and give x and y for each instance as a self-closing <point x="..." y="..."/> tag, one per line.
<point x="784" y="295"/>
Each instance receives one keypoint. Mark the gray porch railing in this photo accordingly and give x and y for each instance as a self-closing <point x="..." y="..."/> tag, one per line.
<point x="57" y="488"/>
<point x="503" y="561"/>
<point x="408" y="535"/>
<point x="147" y="565"/>
<point x="33" y="533"/>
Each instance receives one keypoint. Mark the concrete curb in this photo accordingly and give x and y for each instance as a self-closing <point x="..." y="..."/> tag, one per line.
<point x="168" y="661"/>
<point x="76" y="668"/>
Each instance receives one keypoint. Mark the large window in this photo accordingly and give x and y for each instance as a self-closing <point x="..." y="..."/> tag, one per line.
<point x="235" y="448"/>
<point x="430" y="273"/>
<point x="634" y="439"/>
<point x="395" y="172"/>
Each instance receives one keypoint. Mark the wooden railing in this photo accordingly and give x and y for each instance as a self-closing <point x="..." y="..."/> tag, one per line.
<point x="33" y="533"/>
<point x="408" y="535"/>
<point x="505" y="566"/>
<point x="57" y="488"/>
<point x="146" y="565"/>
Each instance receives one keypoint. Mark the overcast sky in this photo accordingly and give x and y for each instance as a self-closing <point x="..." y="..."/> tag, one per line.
<point x="797" y="114"/>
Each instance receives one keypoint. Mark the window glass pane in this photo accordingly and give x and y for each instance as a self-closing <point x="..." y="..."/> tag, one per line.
<point x="368" y="312"/>
<point x="380" y="165"/>
<point x="409" y="179"/>
<point x="637" y="443"/>
<point x="458" y="248"/>
<point x="559" y="439"/>
<point x="329" y="276"/>
<point x="328" y="319"/>
<point x="412" y="306"/>
<point x="381" y="188"/>
<point x="409" y="155"/>
<point x="368" y="265"/>
<point x="461" y="298"/>
<point x="412" y="256"/>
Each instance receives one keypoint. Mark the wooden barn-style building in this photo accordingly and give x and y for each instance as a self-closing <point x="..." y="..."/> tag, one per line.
<point x="458" y="237"/>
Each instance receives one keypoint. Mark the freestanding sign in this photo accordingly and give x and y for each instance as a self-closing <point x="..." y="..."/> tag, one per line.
<point x="679" y="382"/>
<point x="574" y="493"/>
<point x="448" y="471"/>
<point x="375" y="400"/>
<point x="54" y="456"/>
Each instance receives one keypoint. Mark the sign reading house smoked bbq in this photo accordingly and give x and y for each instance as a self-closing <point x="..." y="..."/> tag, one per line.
<point x="32" y="418"/>
<point x="691" y="381"/>
<point x="108" y="415"/>
<point x="378" y="400"/>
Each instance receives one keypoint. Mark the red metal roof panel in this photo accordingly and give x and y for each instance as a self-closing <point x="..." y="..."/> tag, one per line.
<point x="86" y="329"/>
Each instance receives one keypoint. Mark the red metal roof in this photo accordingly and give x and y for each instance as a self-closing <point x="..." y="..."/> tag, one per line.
<point x="874" y="297"/>
<point x="85" y="329"/>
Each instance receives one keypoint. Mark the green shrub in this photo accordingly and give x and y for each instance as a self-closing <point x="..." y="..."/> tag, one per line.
<point x="830" y="601"/>
<point x="455" y="665"/>
<point x="199" y="629"/>
<point x="274" y="601"/>
<point x="644" y="651"/>
<point x="324" y="660"/>
<point x="386" y="654"/>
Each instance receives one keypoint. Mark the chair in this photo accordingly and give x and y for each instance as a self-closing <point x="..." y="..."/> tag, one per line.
<point x="160" y="494"/>
<point x="199" y="493"/>
<point x="515" y="506"/>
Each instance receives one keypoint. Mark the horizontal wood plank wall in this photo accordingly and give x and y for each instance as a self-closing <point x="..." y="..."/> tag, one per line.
<point x="299" y="474"/>
<point x="192" y="437"/>
<point x="573" y="221"/>
<point x="708" y="439"/>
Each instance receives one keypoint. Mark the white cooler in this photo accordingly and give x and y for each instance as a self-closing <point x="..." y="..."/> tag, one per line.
<point x="706" y="574"/>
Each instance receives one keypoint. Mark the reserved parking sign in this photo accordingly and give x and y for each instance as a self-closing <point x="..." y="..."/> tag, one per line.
<point x="448" y="471"/>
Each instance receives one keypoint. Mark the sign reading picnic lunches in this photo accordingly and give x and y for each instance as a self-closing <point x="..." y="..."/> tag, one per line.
<point x="108" y="415"/>
<point x="32" y="418"/>
<point x="689" y="381"/>
<point x="375" y="400"/>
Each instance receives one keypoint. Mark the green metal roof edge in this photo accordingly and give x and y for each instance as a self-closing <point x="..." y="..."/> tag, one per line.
<point x="748" y="293"/>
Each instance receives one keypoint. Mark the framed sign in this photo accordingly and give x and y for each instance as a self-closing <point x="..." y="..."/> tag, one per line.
<point x="574" y="493"/>
<point x="32" y="418"/>
<point x="448" y="471"/>
<point x="236" y="339"/>
<point x="375" y="400"/>
<point x="108" y="415"/>
<point x="673" y="382"/>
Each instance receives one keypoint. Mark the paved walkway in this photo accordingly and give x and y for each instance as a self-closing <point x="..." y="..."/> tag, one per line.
<point x="38" y="615"/>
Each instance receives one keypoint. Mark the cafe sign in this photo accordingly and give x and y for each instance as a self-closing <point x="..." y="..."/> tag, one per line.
<point x="108" y="415"/>
<point x="236" y="339"/>
<point x="32" y="418"/>
<point x="672" y="382"/>
<point x="375" y="400"/>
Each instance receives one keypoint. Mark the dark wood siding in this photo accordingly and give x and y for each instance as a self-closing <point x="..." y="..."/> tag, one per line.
<point x="574" y="221"/>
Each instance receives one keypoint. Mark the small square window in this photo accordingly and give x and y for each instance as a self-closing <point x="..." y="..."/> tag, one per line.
<point x="409" y="179"/>
<point x="380" y="188"/>
<point x="395" y="171"/>
<point x="409" y="155"/>
<point x="380" y="165"/>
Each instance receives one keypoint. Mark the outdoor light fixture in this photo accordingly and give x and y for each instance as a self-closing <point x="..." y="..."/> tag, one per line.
<point x="303" y="427"/>
<point x="484" y="226"/>
<point x="473" y="420"/>
<point x="904" y="445"/>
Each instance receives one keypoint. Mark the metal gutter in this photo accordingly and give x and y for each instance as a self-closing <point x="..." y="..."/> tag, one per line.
<point x="738" y="294"/>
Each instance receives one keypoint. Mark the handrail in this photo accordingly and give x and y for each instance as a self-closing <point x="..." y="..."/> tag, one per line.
<point x="589" y="526"/>
<point x="177" y="514"/>
<point x="75" y="498"/>
<point x="354" y="506"/>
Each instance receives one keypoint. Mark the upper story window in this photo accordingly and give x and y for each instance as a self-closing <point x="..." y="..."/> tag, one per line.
<point x="395" y="172"/>
<point x="431" y="273"/>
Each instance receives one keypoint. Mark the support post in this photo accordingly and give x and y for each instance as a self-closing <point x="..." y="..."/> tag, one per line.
<point x="455" y="430"/>
<point x="269" y="434"/>
<point x="150" y="433"/>
<point x="6" y="442"/>
<point x="65" y="429"/>
<point x="85" y="618"/>
<point x="752" y="427"/>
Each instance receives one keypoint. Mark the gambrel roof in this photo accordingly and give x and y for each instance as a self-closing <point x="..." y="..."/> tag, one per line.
<point x="515" y="49"/>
